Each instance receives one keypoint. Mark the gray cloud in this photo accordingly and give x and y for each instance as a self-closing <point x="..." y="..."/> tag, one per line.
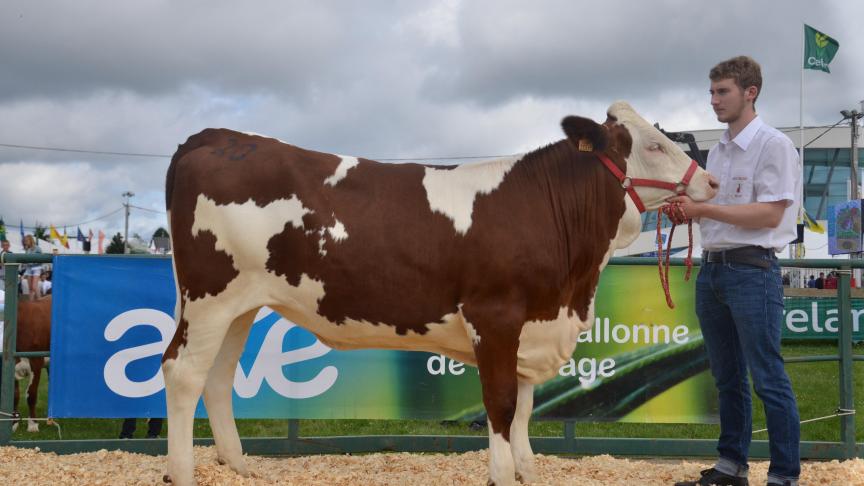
<point x="378" y="79"/>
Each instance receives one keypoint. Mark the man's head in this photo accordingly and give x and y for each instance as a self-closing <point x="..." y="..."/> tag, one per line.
<point x="4" y="245"/>
<point x="735" y="85"/>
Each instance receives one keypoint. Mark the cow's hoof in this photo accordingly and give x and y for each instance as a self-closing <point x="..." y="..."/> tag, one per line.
<point x="14" y="426"/>
<point x="166" y="479"/>
<point x="526" y="477"/>
<point x="221" y="461"/>
<point x="33" y="428"/>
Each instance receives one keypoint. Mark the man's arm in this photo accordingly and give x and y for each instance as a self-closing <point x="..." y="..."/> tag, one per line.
<point x="753" y="215"/>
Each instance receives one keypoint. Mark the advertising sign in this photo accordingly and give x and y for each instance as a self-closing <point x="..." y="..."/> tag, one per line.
<point x="113" y="317"/>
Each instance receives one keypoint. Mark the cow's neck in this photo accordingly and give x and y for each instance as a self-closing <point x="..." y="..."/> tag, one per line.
<point x="587" y="204"/>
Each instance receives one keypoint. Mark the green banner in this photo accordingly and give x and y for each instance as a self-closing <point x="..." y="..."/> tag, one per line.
<point x="640" y="362"/>
<point x="819" y="318"/>
<point x="819" y="49"/>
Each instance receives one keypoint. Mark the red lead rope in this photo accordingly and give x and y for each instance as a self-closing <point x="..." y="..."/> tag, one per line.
<point x="677" y="216"/>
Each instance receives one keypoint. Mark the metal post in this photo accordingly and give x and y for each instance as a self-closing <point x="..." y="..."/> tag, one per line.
<point x="847" y="404"/>
<point x="853" y="117"/>
<point x="7" y="379"/>
<point x="127" y="195"/>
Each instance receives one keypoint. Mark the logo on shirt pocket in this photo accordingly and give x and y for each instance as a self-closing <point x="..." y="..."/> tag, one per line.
<point x="741" y="187"/>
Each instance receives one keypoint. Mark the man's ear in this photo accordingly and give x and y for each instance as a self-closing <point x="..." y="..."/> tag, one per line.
<point x="586" y="134"/>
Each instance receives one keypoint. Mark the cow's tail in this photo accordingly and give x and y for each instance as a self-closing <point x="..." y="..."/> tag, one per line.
<point x="192" y="143"/>
<point x="195" y="141"/>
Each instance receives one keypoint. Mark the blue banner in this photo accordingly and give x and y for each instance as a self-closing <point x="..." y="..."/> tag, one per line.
<point x="113" y="318"/>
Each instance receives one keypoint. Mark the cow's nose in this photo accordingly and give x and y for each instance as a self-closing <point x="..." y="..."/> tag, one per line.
<point x="712" y="181"/>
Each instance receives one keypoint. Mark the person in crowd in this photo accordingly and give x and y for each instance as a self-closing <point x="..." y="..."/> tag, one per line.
<point x="154" y="428"/>
<point x="831" y="280"/>
<point x="32" y="270"/>
<point x="45" y="283"/>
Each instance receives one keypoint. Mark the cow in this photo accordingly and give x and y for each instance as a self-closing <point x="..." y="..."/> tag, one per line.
<point x="33" y="334"/>
<point x="494" y="264"/>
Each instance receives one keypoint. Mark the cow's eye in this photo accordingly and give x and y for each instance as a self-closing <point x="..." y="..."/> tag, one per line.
<point x="655" y="147"/>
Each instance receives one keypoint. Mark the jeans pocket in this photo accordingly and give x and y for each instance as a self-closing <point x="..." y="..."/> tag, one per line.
<point x="744" y="268"/>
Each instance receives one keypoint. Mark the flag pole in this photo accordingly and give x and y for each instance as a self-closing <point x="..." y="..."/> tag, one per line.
<point x="800" y="248"/>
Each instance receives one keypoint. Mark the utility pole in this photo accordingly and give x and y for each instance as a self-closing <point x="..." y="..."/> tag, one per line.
<point x="127" y="195"/>
<point x="853" y="117"/>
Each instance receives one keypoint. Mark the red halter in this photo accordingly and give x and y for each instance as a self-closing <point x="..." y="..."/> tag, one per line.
<point x="629" y="184"/>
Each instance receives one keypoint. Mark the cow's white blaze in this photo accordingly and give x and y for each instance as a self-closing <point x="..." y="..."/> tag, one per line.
<point x="667" y="164"/>
<point x="451" y="192"/>
<point x="345" y="165"/>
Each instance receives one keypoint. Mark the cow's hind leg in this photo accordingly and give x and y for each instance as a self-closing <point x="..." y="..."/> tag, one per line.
<point x="523" y="456"/>
<point x="217" y="394"/>
<point x="33" y="392"/>
<point x="185" y="375"/>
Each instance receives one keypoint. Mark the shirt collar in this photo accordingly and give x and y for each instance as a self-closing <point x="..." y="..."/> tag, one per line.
<point x="744" y="138"/>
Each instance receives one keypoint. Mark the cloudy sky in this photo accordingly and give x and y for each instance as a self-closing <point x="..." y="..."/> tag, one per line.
<point x="380" y="79"/>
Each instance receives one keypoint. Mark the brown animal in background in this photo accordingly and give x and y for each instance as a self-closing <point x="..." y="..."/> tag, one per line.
<point x="34" y="334"/>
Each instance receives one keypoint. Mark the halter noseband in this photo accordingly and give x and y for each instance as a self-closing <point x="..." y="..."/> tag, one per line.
<point x="629" y="183"/>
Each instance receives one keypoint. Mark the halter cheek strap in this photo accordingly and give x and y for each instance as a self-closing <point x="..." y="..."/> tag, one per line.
<point x="629" y="183"/>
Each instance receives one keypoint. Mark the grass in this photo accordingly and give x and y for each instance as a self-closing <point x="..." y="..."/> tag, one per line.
<point x="816" y="386"/>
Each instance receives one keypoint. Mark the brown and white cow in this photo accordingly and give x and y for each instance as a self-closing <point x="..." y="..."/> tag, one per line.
<point x="34" y="334"/>
<point x="494" y="264"/>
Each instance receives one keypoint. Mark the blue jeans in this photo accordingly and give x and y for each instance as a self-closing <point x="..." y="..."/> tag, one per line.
<point x="740" y="310"/>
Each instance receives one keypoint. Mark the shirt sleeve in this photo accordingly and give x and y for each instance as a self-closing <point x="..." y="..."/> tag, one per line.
<point x="777" y="172"/>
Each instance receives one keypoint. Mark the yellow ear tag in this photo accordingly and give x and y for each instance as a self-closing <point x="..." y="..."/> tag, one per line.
<point x="585" y="145"/>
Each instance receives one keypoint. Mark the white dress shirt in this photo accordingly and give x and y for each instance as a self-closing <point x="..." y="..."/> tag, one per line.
<point x="759" y="165"/>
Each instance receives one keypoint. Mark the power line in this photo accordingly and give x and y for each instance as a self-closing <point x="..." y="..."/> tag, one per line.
<point x="10" y="226"/>
<point x="146" y="209"/>
<point x="384" y="159"/>
<point x="80" y="151"/>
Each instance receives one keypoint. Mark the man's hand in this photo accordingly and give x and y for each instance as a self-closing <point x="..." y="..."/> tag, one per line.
<point x="691" y="208"/>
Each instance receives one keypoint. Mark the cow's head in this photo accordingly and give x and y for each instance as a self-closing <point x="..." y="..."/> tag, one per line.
<point x="648" y="154"/>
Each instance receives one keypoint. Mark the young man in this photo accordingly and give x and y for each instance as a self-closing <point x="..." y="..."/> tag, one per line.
<point x="739" y="295"/>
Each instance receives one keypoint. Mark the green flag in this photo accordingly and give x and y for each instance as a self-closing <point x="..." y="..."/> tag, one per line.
<point x="819" y="49"/>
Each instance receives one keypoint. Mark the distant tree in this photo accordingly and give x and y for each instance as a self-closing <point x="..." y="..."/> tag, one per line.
<point x="116" y="245"/>
<point x="161" y="232"/>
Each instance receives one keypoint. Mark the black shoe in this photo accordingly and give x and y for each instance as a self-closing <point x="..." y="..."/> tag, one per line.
<point x="715" y="477"/>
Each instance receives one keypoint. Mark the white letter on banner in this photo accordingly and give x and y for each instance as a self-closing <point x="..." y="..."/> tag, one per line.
<point x="115" y="367"/>
<point x="270" y="360"/>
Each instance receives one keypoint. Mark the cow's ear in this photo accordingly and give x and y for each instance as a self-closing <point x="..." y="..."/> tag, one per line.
<point x="586" y="134"/>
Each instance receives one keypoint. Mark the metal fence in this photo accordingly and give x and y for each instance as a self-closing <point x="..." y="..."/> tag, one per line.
<point x="844" y="448"/>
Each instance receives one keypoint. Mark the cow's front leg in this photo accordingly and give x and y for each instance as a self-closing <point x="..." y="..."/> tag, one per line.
<point x="523" y="456"/>
<point x="495" y="350"/>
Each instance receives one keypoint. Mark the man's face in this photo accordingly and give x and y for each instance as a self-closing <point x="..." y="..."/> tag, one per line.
<point x="729" y="100"/>
<point x="5" y="246"/>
